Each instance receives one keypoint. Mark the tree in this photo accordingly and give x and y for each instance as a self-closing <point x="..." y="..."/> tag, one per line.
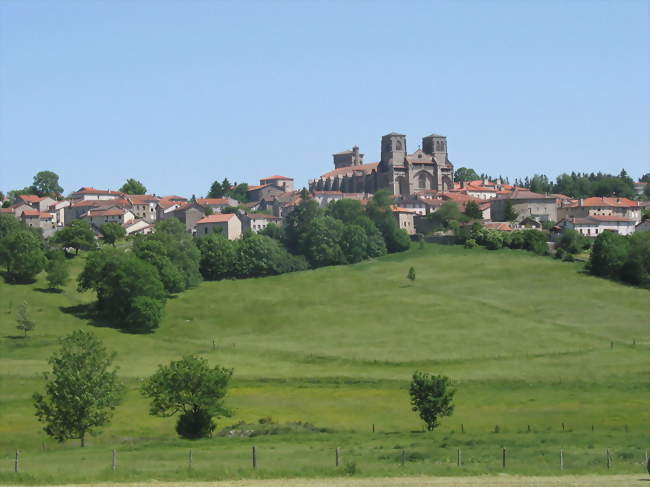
<point x="216" y="190"/>
<point x="82" y="390"/>
<point x="217" y="256"/>
<point x="112" y="232"/>
<point x="411" y="274"/>
<point x="380" y="210"/>
<point x="57" y="270"/>
<point x="572" y="242"/>
<point x="22" y="253"/>
<point x="78" y="235"/>
<point x="510" y="214"/>
<point x="472" y="210"/>
<point x="608" y="254"/>
<point x="193" y="389"/>
<point x="447" y="213"/>
<point x="465" y="174"/>
<point x="354" y="243"/>
<point x="239" y="192"/>
<point x="322" y="242"/>
<point x="8" y="225"/>
<point x="46" y="183"/>
<point x="133" y="186"/>
<point x="119" y="279"/>
<point x="24" y="319"/>
<point x="645" y="178"/>
<point x="432" y="397"/>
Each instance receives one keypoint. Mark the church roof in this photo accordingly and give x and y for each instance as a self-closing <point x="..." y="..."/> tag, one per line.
<point x="436" y="135"/>
<point x="395" y="133"/>
<point x="342" y="171"/>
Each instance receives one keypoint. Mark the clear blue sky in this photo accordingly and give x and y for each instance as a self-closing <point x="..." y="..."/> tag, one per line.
<point x="179" y="93"/>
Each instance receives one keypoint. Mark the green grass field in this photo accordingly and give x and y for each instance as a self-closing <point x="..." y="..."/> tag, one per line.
<point x="526" y="338"/>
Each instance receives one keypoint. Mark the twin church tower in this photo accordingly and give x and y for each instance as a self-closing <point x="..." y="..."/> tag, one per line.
<point x="404" y="174"/>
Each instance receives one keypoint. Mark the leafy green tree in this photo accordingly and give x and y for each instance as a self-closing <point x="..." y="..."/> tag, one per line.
<point x="322" y="242"/>
<point x="133" y="186"/>
<point x="145" y="314"/>
<point x="274" y="231"/>
<point x="448" y="212"/>
<point x="380" y="211"/>
<point x="153" y="250"/>
<point x="8" y="225"/>
<point x="257" y="256"/>
<point x="573" y="242"/>
<point x="78" y="235"/>
<point x="472" y="210"/>
<point x="636" y="268"/>
<point x="180" y="247"/>
<point x="540" y="183"/>
<point x="119" y="278"/>
<point x="298" y="222"/>
<point x="112" y="232"/>
<point x="24" y="319"/>
<point x="432" y="397"/>
<point x="465" y="174"/>
<point x="510" y="214"/>
<point x="354" y="243"/>
<point x="217" y="256"/>
<point x="376" y="244"/>
<point x="645" y="178"/>
<point x="46" y="183"/>
<point x="208" y="210"/>
<point x="216" y="190"/>
<point x="535" y="241"/>
<point x="646" y="191"/>
<point x="193" y="389"/>
<point x="608" y="254"/>
<point x="411" y="274"/>
<point x="82" y="390"/>
<point x="57" y="270"/>
<point x="346" y="210"/>
<point x="229" y="209"/>
<point x="6" y="204"/>
<point x="22" y="254"/>
<point x="239" y="192"/>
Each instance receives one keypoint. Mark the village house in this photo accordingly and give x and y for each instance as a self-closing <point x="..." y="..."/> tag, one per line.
<point x="98" y="217"/>
<point x="40" y="203"/>
<point x="541" y="207"/>
<point x="38" y="219"/>
<point x="89" y="193"/>
<point x="75" y="210"/>
<point x="405" y="219"/>
<point x="601" y="206"/>
<point x="217" y="204"/>
<point x="228" y="224"/>
<point x="281" y="182"/>
<point x="138" y="227"/>
<point x="594" y="225"/>
<point x="144" y="206"/>
<point x="188" y="213"/>
<point x="256" y="222"/>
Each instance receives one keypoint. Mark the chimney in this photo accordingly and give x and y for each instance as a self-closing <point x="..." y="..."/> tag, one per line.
<point x="582" y="202"/>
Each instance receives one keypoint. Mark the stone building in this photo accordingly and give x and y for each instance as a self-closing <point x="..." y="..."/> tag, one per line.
<point x="403" y="174"/>
<point x="541" y="207"/>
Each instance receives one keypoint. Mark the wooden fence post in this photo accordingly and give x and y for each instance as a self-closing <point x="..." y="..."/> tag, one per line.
<point x="114" y="464"/>
<point x="189" y="460"/>
<point x="529" y="428"/>
<point x="17" y="463"/>
<point x="338" y="456"/>
<point x="561" y="460"/>
<point x="503" y="458"/>
<point x="611" y="345"/>
<point x="254" y="458"/>
<point x="563" y="426"/>
<point x="404" y="456"/>
<point x="462" y="428"/>
<point x="609" y="460"/>
<point x="592" y="428"/>
<point x="459" y="458"/>
<point x="373" y="427"/>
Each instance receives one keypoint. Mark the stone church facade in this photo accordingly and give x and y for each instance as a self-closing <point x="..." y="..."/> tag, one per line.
<point x="404" y="174"/>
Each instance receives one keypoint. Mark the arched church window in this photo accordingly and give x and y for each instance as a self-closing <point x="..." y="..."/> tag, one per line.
<point x="422" y="181"/>
<point x="398" y="145"/>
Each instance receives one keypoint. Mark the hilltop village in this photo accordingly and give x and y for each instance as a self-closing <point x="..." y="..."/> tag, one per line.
<point x="421" y="182"/>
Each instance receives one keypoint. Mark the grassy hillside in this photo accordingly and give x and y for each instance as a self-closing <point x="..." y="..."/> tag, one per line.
<point x="526" y="338"/>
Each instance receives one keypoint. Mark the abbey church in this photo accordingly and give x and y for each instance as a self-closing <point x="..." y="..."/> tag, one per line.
<point x="404" y="174"/>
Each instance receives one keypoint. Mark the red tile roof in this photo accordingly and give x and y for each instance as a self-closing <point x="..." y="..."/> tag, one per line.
<point x="91" y="190"/>
<point x="601" y="219"/>
<point x="6" y="210"/>
<point x="254" y="188"/>
<point x="32" y="198"/>
<point x="603" y="201"/>
<point x="31" y="213"/>
<point x="341" y="171"/>
<point x="217" y="218"/>
<point x="213" y="201"/>
<point x="111" y="212"/>
<point x="397" y="209"/>
<point x="273" y="178"/>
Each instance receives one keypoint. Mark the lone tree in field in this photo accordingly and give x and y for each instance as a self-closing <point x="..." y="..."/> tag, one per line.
<point x="193" y="389"/>
<point x="112" y="232"/>
<point x="432" y="397"/>
<point x="81" y="392"/>
<point x="24" y="319"/>
<point x="411" y="274"/>
<point x="57" y="270"/>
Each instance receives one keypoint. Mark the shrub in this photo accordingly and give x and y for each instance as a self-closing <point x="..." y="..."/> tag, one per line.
<point x="470" y="243"/>
<point x="145" y="315"/>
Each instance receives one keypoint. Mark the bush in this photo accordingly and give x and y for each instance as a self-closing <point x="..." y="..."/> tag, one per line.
<point x="145" y="315"/>
<point x="195" y="424"/>
<point x="470" y="243"/>
<point x="573" y="242"/>
<point x="560" y="253"/>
